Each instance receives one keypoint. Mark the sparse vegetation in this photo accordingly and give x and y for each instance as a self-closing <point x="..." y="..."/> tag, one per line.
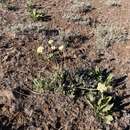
<point x="12" y="7"/>
<point x="75" y="11"/>
<point x="81" y="6"/>
<point x="57" y="60"/>
<point x="88" y="83"/>
<point x="55" y="50"/>
<point x="3" y="1"/>
<point x="6" y="4"/>
<point x="113" y="2"/>
<point x="34" y="13"/>
<point x="106" y="35"/>
<point x="99" y="99"/>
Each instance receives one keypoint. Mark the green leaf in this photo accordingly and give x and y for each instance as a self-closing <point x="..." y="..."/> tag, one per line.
<point x="107" y="108"/>
<point x="109" y="79"/>
<point x="34" y="12"/>
<point x="50" y="55"/>
<point x="97" y="70"/>
<point x="100" y="101"/>
<point x="108" y="99"/>
<point x="91" y="97"/>
<point x="37" y="82"/>
<point x="108" y="119"/>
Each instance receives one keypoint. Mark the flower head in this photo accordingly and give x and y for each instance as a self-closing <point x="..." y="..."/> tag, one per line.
<point x="53" y="47"/>
<point x="101" y="87"/>
<point x="61" y="47"/>
<point x="40" y="49"/>
<point x="50" y="42"/>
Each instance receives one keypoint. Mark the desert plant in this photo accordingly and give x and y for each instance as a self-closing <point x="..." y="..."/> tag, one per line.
<point x="29" y="4"/>
<point x="12" y="7"/>
<point x="38" y="85"/>
<point x="95" y="86"/>
<point x="59" y="81"/>
<point x="81" y="6"/>
<point x="3" y="1"/>
<point x="113" y="2"/>
<point x="35" y="15"/>
<point x="55" y="50"/>
<point x="103" y="108"/>
<point x="73" y="13"/>
<point x="33" y="12"/>
<point x="89" y="83"/>
<point x="101" y="102"/>
<point x="106" y="35"/>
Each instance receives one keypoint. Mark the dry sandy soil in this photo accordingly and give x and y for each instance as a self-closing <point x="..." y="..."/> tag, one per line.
<point x="23" y="109"/>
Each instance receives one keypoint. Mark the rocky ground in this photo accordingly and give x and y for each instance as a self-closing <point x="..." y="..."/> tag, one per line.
<point x="95" y="33"/>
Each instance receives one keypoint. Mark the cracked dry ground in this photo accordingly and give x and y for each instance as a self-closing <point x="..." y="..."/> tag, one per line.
<point x="21" y="108"/>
